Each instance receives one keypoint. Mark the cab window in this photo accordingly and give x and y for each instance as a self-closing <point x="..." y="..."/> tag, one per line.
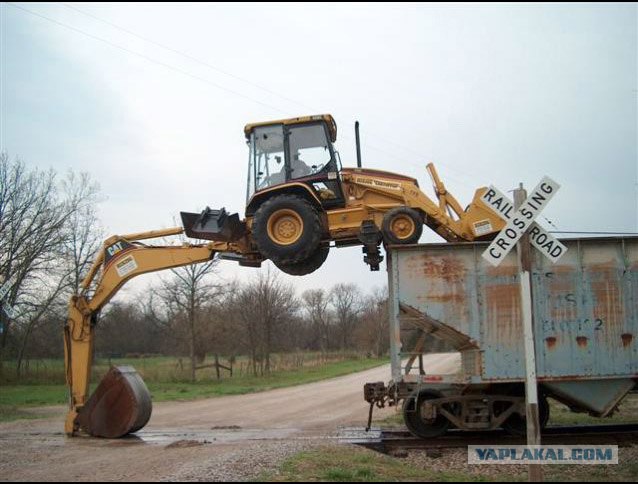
<point x="309" y="149"/>
<point x="266" y="166"/>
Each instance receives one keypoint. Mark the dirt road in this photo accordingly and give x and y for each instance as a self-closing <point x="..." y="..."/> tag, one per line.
<point x="226" y="438"/>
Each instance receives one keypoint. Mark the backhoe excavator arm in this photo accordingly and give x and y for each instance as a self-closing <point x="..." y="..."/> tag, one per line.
<point x="447" y="202"/>
<point x="121" y="259"/>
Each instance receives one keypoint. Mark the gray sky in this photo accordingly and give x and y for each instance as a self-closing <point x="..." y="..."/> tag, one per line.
<point x="490" y="93"/>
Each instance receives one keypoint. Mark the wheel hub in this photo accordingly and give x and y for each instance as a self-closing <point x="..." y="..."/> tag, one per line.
<point x="285" y="227"/>
<point x="402" y="227"/>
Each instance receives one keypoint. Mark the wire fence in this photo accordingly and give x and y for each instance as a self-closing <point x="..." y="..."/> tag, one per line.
<point x="154" y="368"/>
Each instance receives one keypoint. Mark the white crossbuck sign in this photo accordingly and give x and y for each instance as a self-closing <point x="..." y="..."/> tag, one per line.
<point x="518" y="222"/>
<point x="4" y="290"/>
<point x="6" y="287"/>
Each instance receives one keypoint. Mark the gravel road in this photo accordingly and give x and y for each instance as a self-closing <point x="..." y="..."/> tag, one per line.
<point x="226" y="438"/>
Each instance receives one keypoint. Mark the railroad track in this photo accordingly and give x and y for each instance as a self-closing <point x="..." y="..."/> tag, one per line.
<point x="389" y="440"/>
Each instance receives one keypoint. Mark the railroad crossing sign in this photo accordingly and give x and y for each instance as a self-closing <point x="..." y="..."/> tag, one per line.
<point x="521" y="220"/>
<point x="6" y="287"/>
<point x="4" y="290"/>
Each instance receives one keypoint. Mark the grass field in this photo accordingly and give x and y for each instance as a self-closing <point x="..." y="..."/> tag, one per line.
<point x="166" y="380"/>
<point x="168" y="369"/>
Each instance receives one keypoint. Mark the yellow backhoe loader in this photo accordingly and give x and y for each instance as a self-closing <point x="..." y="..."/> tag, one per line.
<point x="299" y="202"/>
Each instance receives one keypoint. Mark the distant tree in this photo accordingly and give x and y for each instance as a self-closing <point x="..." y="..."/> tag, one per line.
<point x="265" y="306"/>
<point x="185" y="296"/>
<point x="83" y="232"/>
<point x="346" y="302"/>
<point x="372" y="333"/>
<point x="317" y="306"/>
<point x="35" y="227"/>
<point x="124" y="328"/>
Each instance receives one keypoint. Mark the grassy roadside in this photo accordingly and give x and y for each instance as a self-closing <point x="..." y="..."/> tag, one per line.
<point x="352" y="464"/>
<point x="248" y="384"/>
<point x="15" y="400"/>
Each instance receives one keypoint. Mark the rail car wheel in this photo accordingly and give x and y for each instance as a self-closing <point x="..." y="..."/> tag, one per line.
<point x="287" y="229"/>
<point x="402" y="225"/>
<point x="517" y="424"/>
<point x="415" y="415"/>
<point x="311" y="264"/>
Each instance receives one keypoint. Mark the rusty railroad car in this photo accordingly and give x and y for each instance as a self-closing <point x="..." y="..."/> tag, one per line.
<point x="446" y="298"/>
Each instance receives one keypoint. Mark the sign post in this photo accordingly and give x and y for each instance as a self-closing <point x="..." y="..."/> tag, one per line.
<point x="521" y="231"/>
<point x="535" y="471"/>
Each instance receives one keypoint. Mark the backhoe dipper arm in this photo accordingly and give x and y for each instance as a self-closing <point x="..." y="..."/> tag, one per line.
<point x="447" y="202"/>
<point x="120" y="259"/>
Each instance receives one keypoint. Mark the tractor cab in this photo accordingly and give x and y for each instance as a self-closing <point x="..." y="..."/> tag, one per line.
<point x="292" y="152"/>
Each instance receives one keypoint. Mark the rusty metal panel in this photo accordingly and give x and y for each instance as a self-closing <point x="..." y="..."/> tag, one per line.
<point x="585" y="306"/>
<point x="586" y="310"/>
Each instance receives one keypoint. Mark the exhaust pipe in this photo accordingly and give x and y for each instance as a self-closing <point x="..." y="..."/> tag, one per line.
<point x="358" y="141"/>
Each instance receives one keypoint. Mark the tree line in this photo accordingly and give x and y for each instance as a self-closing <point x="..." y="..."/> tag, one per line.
<point x="49" y="236"/>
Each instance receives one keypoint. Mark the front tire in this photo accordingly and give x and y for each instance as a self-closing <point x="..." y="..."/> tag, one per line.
<point x="311" y="264"/>
<point x="287" y="229"/>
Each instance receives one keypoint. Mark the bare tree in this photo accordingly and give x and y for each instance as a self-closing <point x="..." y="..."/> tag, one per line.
<point x="372" y="333"/>
<point x="125" y="329"/>
<point x="185" y="295"/>
<point x="84" y="235"/>
<point x="317" y="303"/>
<point x="265" y="306"/>
<point x="242" y="304"/>
<point x="34" y="214"/>
<point x="345" y="299"/>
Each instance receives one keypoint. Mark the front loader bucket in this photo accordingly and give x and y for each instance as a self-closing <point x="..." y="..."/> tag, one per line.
<point x="216" y="225"/>
<point x="120" y="405"/>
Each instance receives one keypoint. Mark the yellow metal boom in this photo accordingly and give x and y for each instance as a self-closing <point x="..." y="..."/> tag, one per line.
<point x="121" y="259"/>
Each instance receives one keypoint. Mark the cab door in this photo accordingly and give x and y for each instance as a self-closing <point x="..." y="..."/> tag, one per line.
<point x="312" y="161"/>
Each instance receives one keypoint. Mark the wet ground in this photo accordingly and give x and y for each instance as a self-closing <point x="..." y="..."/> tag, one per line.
<point x="226" y="438"/>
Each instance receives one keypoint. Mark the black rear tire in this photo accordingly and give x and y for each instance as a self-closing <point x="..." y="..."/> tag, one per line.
<point x="311" y="264"/>
<point x="296" y="245"/>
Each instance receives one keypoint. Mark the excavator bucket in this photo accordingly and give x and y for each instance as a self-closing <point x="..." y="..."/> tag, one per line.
<point x="120" y="405"/>
<point x="216" y="225"/>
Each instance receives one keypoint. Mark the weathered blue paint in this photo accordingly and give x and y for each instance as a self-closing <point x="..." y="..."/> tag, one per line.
<point x="598" y="396"/>
<point x="585" y="307"/>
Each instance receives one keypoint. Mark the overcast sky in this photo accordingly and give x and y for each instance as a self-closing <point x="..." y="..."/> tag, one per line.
<point x="492" y="94"/>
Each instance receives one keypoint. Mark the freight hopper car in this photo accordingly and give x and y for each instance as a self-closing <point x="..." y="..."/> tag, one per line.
<point x="446" y="298"/>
